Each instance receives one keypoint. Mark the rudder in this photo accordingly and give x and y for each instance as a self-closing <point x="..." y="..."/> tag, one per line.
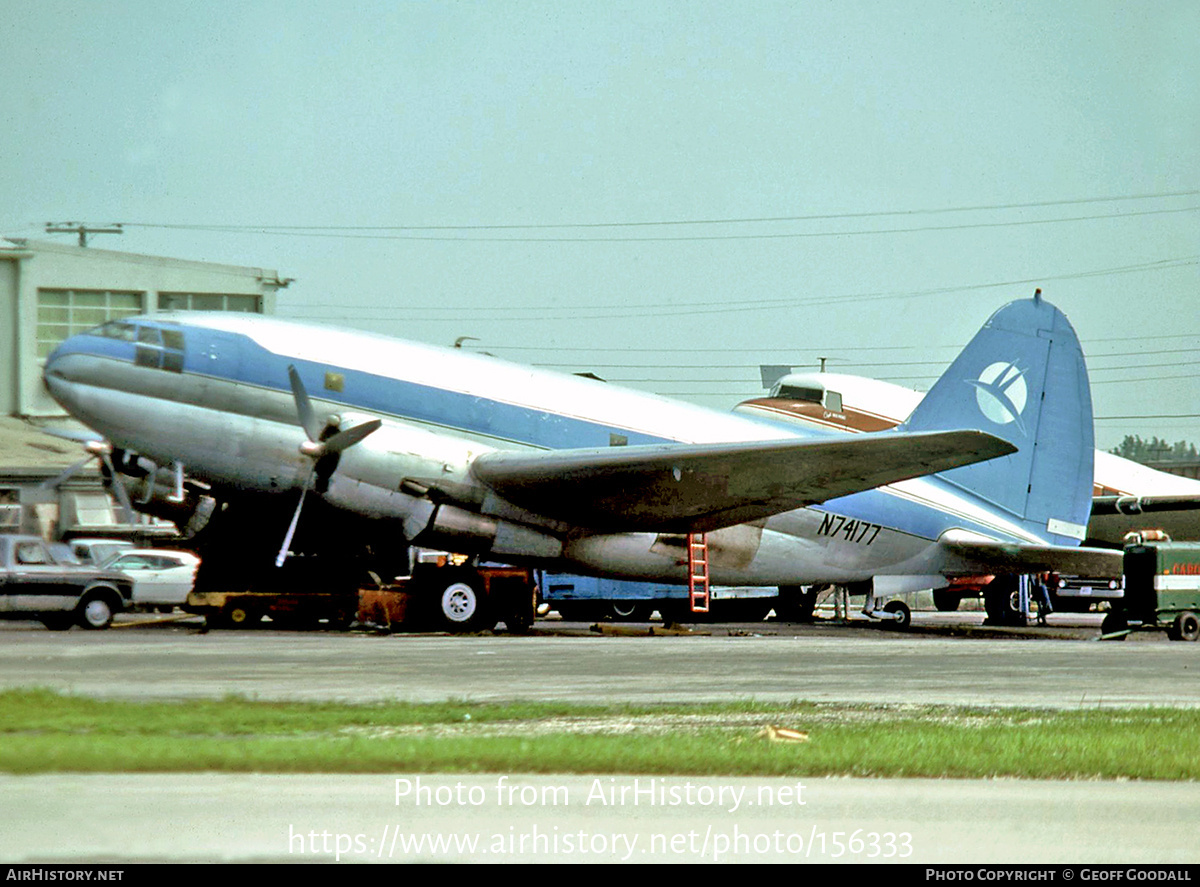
<point x="1022" y="377"/>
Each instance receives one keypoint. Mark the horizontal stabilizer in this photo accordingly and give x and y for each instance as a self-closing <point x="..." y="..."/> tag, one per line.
<point x="984" y="556"/>
<point x="1131" y="505"/>
<point x="681" y="488"/>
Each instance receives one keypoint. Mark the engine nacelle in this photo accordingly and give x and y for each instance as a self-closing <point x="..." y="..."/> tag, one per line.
<point x="448" y="527"/>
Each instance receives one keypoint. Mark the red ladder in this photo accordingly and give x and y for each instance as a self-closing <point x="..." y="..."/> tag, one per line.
<point x="697" y="544"/>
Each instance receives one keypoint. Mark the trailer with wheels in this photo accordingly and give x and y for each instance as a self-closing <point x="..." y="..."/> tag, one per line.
<point x="299" y="610"/>
<point x="1162" y="592"/>
<point x="588" y="598"/>
<point x="440" y="595"/>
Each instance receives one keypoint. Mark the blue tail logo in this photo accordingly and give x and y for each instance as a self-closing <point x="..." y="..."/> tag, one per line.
<point x="1001" y="393"/>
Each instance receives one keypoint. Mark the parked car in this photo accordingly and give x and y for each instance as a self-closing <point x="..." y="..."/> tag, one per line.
<point x="97" y="551"/>
<point x="34" y="584"/>
<point x="161" y="578"/>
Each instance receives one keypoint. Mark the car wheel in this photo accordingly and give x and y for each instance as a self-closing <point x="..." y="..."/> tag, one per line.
<point x="630" y="611"/>
<point x="238" y="615"/>
<point x="95" y="612"/>
<point x="1186" y="627"/>
<point x="463" y="607"/>
<point x="901" y="612"/>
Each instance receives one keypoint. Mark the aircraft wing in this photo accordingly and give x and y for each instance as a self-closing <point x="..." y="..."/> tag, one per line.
<point x="986" y="556"/>
<point x="680" y="488"/>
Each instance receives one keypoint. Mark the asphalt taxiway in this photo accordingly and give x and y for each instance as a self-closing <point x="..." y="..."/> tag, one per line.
<point x="66" y="817"/>
<point x="771" y="663"/>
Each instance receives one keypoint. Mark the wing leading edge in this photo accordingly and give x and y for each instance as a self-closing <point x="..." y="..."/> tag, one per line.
<point x="680" y="488"/>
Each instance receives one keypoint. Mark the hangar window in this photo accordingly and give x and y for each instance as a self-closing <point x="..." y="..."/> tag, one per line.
<point x="86" y="509"/>
<point x="62" y="313"/>
<point x="209" y="302"/>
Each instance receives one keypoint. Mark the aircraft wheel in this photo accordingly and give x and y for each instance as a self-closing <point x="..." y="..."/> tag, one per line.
<point x="463" y="607"/>
<point x="1186" y="627"/>
<point x="903" y="615"/>
<point x="95" y="611"/>
<point x="796" y="603"/>
<point x="1002" y="602"/>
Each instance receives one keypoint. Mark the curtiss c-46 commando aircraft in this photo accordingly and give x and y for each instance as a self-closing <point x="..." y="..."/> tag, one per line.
<point x="235" y="420"/>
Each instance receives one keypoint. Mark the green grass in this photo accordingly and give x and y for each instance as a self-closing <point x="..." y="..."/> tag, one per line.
<point x="42" y="731"/>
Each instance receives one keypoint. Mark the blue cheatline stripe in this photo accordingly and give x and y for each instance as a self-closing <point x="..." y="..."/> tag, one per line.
<point x="241" y="360"/>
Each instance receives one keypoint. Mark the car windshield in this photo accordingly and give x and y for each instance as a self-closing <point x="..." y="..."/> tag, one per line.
<point x="104" y="556"/>
<point x="63" y="554"/>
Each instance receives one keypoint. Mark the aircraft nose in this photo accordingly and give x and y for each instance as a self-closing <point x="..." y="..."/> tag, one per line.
<point x="57" y="371"/>
<point x="50" y="369"/>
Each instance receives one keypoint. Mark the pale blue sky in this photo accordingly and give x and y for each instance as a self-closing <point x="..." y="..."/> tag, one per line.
<point x="462" y="116"/>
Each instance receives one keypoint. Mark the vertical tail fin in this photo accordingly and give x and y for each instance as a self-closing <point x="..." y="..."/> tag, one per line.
<point x="1023" y="378"/>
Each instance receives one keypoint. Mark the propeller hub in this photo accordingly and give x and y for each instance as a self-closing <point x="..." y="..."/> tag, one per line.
<point x="312" y="449"/>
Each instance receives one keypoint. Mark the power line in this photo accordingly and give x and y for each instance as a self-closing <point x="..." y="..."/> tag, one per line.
<point x="793" y="235"/>
<point x="665" y="222"/>
<point x="727" y="306"/>
<point x="804" y="350"/>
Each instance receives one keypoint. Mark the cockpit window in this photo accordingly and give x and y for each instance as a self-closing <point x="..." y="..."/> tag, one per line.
<point x="116" y="329"/>
<point x="808" y="395"/>
<point x="159" y="348"/>
<point x="831" y="400"/>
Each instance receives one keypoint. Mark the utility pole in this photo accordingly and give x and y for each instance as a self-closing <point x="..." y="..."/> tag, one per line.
<point x="81" y="229"/>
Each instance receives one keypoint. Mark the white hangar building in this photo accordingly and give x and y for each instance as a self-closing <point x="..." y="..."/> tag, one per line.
<point x="49" y="291"/>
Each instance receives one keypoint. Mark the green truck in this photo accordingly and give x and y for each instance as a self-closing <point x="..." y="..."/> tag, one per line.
<point x="1162" y="591"/>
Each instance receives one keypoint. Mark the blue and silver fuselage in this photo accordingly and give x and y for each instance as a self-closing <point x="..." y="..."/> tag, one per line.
<point x="212" y="391"/>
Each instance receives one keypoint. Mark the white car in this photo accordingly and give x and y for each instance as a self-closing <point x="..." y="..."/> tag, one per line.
<point x="97" y="551"/>
<point x="161" y="578"/>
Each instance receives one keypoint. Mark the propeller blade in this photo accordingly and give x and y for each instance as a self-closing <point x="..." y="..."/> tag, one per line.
<point x="351" y="436"/>
<point x="66" y="475"/>
<point x="304" y="409"/>
<point x="291" y="530"/>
